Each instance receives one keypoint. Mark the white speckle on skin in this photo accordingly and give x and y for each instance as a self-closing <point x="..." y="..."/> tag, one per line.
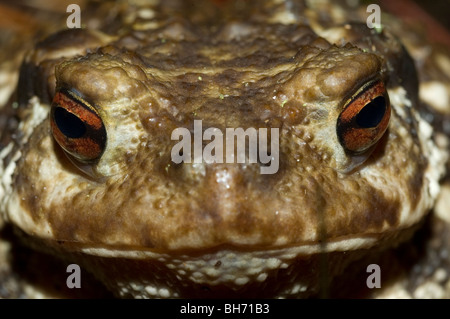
<point x="241" y="281"/>
<point x="212" y="272"/>
<point x="181" y="272"/>
<point x="197" y="275"/>
<point x="164" y="293"/>
<point x="261" y="277"/>
<point x="443" y="202"/>
<point x="429" y="290"/>
<point x="398" y="98"/>
<point x="298" y="288"/>
<point x="437" y="95"/>
<point x="151" y="290"/>
<point x="285" y="16"/>
<point x="395" y="290"/>
<point x="273" y="263"/>
<point x="146" y="13"/>
<point x="440" y="275"/>
<point x="135" y="286"/>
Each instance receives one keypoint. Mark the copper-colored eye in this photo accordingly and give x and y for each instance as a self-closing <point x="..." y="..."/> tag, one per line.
<point x="77" y="127"/>
<point x="365" y="118"/>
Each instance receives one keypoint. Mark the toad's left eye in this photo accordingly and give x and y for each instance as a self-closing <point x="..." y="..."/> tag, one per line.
<point x="364" y="119"/>
<point x="77" y="127"/>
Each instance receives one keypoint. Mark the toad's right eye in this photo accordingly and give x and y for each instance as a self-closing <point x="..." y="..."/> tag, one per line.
<point x="77" y="127"/>
<point x="365" y="118"/>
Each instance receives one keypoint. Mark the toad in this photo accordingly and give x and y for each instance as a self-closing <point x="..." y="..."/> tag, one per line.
<point x="88" y="172"/>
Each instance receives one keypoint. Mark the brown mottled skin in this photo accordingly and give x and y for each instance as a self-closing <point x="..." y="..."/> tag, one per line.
<point x="230" y="66"/>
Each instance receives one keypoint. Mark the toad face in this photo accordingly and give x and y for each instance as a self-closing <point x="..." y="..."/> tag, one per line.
<point x="90" y="175"/>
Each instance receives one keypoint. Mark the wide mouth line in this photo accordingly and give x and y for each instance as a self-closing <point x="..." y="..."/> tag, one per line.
<point x="305" y="248"/>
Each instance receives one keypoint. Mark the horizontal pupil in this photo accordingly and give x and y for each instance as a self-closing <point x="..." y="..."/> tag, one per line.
<point x="70" y="125"/>
<point x="372" y="114"/>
